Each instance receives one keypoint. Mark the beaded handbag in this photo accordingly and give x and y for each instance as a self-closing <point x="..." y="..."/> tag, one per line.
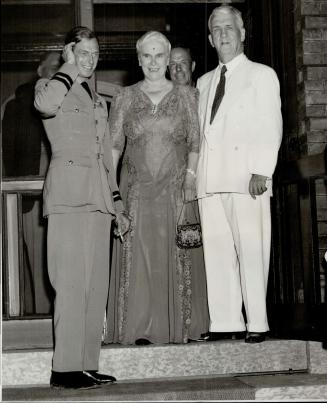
<point x="188" y="235"/>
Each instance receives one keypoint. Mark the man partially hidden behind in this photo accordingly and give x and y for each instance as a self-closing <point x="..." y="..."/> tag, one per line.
<point x="181" y="66"/>
<point x="181" y="69"/>
<point x="241" y="128"/>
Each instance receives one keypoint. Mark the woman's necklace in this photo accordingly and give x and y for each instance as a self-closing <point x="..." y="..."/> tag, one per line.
<point x="156" y="94"/>
<point x="154" y="109"/>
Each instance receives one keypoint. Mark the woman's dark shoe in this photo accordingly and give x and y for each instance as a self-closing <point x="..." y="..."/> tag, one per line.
<point x="102" y="378"/>
<point x="216" y="336"/>
<point x="72" y="380"/>
<point x="142" y="342"/>
<point x="203" y="337"/>
<point x="255" y="337"/>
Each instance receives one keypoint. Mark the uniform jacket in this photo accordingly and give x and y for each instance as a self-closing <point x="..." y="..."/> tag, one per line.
<point x="81" y="176"/>
<point x="246" y="133"/>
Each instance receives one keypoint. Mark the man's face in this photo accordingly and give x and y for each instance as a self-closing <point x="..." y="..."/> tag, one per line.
<point x="226" y="36"/>
<point x="153" y="58"/>
<point x="86" y="56"/>
<point x="181" y="66"/>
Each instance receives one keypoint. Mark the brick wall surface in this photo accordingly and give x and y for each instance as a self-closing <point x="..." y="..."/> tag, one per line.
<point x="311" y="57"/>
<point x="311" y="27"/>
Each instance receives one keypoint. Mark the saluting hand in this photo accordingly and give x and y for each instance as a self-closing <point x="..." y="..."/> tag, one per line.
<point x="68" y="54"/>
<point x="257" y="185"/>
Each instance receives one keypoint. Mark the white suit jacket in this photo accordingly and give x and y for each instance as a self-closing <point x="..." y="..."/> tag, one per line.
<point x="246" y="132"/>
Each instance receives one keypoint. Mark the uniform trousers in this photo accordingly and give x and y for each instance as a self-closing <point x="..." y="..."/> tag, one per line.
<point x="78" y="265"/>
<point x="236" y="242"/>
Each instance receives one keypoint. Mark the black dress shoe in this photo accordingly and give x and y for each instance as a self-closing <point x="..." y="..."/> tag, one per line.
<point x="142" y="342"/>
<point x="255" y="337"/>
<point x="102" y="378"/>
<point x="72" y="380"/>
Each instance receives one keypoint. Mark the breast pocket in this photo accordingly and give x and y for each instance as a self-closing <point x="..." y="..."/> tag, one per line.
<point x="75" y="117"/>
<point x="69" y="182"/>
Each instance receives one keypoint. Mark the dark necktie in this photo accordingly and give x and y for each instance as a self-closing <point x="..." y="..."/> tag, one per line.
<point x="85" y="85"/>
<point x="220" y="91"/>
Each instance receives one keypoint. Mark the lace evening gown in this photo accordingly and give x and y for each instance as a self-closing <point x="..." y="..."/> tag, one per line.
<point x="157" y="291"/>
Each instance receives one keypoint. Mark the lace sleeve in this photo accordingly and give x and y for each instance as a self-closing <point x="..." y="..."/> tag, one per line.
<point x="190" y="99"/>
<point x="118" y="109"/>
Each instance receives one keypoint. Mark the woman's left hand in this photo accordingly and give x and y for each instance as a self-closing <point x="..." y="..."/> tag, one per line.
<point x="189" y="188"/>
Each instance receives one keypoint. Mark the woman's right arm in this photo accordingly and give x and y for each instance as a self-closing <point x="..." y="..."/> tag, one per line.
<point x="117" y="116"/>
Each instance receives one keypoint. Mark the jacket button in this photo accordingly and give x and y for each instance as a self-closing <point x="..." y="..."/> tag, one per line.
<point x="76" y="110"/>
<point x="70" y="162"/>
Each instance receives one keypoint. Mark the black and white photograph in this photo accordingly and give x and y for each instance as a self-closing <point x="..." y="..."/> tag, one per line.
<point x="163" y="200"/>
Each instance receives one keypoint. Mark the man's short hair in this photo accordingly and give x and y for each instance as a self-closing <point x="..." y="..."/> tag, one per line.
<point x="226" y="9"/>
<point x="78" y="33"/>
<point x="153" y="35"/>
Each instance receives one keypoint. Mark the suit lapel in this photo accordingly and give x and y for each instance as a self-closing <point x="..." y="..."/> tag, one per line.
<point x="208" y="95"/>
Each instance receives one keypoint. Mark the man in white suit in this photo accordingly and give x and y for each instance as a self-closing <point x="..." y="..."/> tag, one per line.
<point x="241" y="126"/>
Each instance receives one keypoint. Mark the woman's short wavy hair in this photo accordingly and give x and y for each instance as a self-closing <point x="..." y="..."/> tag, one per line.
<point x="226" y="9"/>
<point x="158" y="36"/>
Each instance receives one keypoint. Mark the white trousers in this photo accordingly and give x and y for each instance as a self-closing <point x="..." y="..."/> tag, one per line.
<point x="236" y="242"/>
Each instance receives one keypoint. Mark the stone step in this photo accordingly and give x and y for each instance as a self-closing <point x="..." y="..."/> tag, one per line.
<point x="291" y="387"/>
<point x="263" y="387"/>
<point x="228" y="357"/>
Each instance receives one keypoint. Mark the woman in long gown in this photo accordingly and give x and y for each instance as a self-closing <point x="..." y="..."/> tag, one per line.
<point x="156" y="294"/>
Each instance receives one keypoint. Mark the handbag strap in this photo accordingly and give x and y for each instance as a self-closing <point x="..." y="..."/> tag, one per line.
<point x="195" y="215"/>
